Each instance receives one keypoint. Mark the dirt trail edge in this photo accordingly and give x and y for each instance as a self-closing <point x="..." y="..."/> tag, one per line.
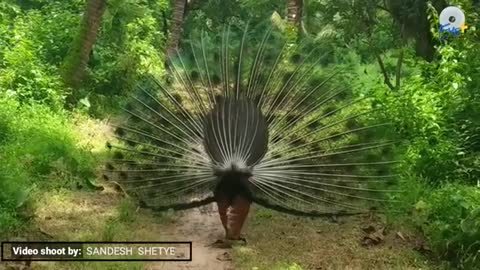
<point x="202" y="226"/>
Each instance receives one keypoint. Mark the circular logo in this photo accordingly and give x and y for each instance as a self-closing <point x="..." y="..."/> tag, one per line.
<point x="452" y="18"/>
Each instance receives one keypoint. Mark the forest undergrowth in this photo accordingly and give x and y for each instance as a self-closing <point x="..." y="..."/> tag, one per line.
<point x="53" y="134"/>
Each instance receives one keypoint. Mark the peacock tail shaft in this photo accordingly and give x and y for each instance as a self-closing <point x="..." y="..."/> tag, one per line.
<point x="248" y="118"/>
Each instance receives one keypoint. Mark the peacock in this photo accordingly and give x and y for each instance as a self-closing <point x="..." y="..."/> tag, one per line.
<point x="250" y="116"/>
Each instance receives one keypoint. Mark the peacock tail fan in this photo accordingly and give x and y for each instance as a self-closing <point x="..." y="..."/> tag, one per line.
<point x="251" y="100"/>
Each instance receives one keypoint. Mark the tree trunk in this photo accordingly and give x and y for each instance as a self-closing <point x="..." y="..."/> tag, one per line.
<point x="76" y="62"/>
<point x="294" y="13"/>
<point x="415" y="25"/>
<point x="176" y="26"/>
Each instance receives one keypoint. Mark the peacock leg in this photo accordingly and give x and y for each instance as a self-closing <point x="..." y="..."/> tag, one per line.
<point x="222" y="205"/>
<point x="238" y="214"/>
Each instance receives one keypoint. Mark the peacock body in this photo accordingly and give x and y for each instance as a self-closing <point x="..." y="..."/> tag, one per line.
<point x="245" y="119"/>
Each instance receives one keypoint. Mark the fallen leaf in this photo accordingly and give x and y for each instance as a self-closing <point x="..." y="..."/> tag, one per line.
<point x="374" y="238"/>
<point x="422" y="247"/>
<point x="224" y="257"/>
<point x="369" y="229"/>
<point x="400" y="235"/>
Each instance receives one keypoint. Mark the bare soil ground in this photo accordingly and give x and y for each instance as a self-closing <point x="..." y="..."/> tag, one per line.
<point x="202" y="227"/>
<point x="275" y="241"/>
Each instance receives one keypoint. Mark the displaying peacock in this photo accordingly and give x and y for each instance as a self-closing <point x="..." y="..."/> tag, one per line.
<point x="247" y="118"/>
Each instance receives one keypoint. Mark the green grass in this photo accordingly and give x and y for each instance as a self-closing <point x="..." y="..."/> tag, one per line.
<point x="69" y="215"/>
<point x="278" y="241"/>
<point x="40" y="149"/>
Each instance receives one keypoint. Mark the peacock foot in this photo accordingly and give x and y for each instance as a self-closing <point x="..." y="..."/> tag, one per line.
<point x="240" y="241"/>
<point x="220" y="243"/>
<point x="229" y="242"/>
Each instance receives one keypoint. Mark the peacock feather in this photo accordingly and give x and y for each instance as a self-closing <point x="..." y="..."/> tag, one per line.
<point x="263" y="108"/>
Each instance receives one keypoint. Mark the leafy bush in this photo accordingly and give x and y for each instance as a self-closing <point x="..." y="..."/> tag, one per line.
<point x="38" y="142"/>
<point x="38" y="149"/>
<point x="437" y="113"/>
<point x="450" y="218"/>
<point x="32" y="49"/>
<point x="35" y="42"/>
<point x="129" y="46"/>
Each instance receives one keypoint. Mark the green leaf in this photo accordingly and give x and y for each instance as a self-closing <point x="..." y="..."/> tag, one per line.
<point x="93" y="185"/>
<point x="85" y="102"/>
<point x="421" y="205"/>
<point x="22" y="196"/>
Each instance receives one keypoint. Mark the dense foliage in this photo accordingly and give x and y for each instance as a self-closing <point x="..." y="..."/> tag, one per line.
<point x="433" y="101"/>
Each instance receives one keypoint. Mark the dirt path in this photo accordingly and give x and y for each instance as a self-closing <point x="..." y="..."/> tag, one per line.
<point x="275" y="241"/>
<point x="201" y="226"/>
<point x="95" y="216"/>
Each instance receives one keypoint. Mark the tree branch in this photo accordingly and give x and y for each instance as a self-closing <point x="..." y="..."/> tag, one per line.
<point x="165" y="24"/>
<point x="398" y="72"/>
<point x="193" y="5"/>
<point x="383" y="8"/>
<point x="386" y="78"/>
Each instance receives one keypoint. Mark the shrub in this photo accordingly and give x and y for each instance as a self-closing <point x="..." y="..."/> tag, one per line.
<point x="34" y="44"/>
<point x="38" y="149"/>
<point x="450" y="218"/>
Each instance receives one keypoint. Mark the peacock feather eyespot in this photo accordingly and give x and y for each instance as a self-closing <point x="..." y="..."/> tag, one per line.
<point x="292" y="118"/>
<point x="194" y="75"/>
<point x="169" y="81"/>
<point x="316" y="81"/>
<point x="329" y="110"/>
<point x="177" y="98"/>
<point x="342" y="95"/>
<point x="296" y="58"/>
<point x="352" y="123"/>
<point x="386" y="151"/>
<point x="298" y="142"/>
<point x="335" y="136"/>
<point x="216" y="79"/>
<point x="134" y="117"/>
<point x="216" y="57"/>
<point x="287" y="78"/>
<point x="118" y="155"/>
<point x="131" y="143"/>
<point x="315" y="124"/>
<point x="123" y="176"/>
<point x="129" y="106"/>
<point x="109" y="166"/>
<point x="120" y="131"/>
